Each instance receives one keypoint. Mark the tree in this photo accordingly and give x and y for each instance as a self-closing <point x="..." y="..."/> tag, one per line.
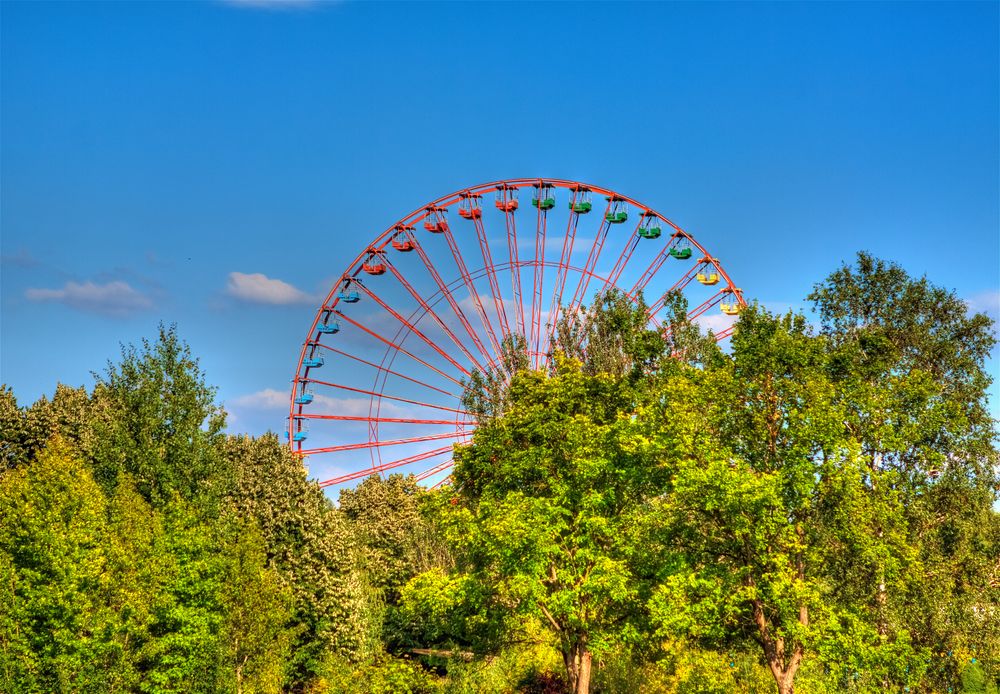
<point x="310" y="546"/>
<point x="56" y="633"/>
<point x="555" y="482"/>
<point x="396" y="539"/>
<point x="257" y="605"/>
<point x="155" y="418"/>
<point x="768" y="512"/>
<point x="908" y="361"/>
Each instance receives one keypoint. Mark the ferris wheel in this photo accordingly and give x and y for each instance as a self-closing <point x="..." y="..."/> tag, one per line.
<point x="379" y="380"/>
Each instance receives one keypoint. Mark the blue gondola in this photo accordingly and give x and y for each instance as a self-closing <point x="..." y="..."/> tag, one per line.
<point x="313" y="362"/>
<point x="304" y="399"/>
<point x="329" y="328"/>
<point x="349" y="297"/>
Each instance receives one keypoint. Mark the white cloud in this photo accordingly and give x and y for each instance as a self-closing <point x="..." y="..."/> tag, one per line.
<point x="985" y="302"/>
<point x="716" y="322"/>
<point x="258" y="288"/>
<point x="267" y="399"/>
<point x="111" y="299"/>
<point x="275" y="4"/>
<point x="271" y="399"/>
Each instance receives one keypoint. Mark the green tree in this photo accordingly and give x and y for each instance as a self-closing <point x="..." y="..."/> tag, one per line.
<point x="908" y="360"/>
<point x="256" y="637"/>
<point x="767" y="495"/>
<point x="554" y="484"/>
<point x="56" y="631"/>
<point x="311" y="547"/>
<point x="156" y="419"/>
<point x="397" y="540"/>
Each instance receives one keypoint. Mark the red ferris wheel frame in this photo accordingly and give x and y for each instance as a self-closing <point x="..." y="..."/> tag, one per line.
<point x="476" y="348"/>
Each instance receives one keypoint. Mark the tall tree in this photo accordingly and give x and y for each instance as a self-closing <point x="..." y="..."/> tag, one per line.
<point x="908" y="360"/>
<point x="555" y="482"/>
<point x="311" y="547"/>
<point x="56" y="633"/>
<point x="156" y="419"/>
<point x="767" y="503"/>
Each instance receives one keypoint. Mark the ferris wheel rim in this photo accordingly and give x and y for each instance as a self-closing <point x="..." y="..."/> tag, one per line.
<point x="378" y="249"/>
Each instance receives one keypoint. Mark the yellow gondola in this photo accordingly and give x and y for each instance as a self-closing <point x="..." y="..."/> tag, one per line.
<point x="706" y="277"/>
<point x="730" y="308"/>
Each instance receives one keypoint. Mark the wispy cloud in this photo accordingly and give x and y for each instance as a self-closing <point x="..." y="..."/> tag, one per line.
<point x="271" y="399"/>
<point x="258" y="288"/>
<point x="985" y="302"/>
<point x="116" y="298"/>
<point x="275" y="4"/>
<point x="22" y="259"/>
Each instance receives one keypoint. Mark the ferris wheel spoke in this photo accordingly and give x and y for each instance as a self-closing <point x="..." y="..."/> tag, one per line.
<point x="399" y="348"/>
<point x="382" y="396"/>
<point x="463" y="271"/>
<point x="591" y="264"/>
<point x="491" y="276"/>
<point x="435" y="470"/>
<point x="564" y="260"/>
<point x="626" y="255"/>
<point x="367" y="472"/>
<point x="447" y="293"/>
<point x="441" y="483"/>
<point x="515" y="265"/>
<point x="709" y="303"/>
<point x="541" y="222"/>
<point x="382" y="444"/>
<point x="389" y="371"/>
<point x="677" y="286"/>
<point x="437" y="319"/>
<point x="412" y="328"/>
<point x="383" y="420"/>
<point x="655" y="265"/>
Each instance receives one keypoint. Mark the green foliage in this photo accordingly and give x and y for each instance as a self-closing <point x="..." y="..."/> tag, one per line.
<point x="155" y="419"/>
<point x="383" y="675"/>
<point x="311" y="547"/>
<point x="809" y="510"/>
<point x="56" y="633"/>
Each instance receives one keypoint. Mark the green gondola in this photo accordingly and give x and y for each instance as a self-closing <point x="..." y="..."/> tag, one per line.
<point x="581" y="207"/>
<point x="544" y="203"/>
<point x="681" y="253"/>
<point x="650" y="232"/>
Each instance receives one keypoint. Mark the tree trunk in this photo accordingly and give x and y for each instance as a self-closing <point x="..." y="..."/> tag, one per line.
<point x="583" y="682"/>
<point x="577" y="660"/>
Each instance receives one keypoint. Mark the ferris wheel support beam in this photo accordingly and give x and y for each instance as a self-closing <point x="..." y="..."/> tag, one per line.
<point x="491" y="276"/>
<point x="436" y="276"/>
<point x="387" y="370"/>
<point x="367" y="472"/>
<point x="412" y="328"/>
<point x="399" y="348"/>
<point x="437" y="319"/>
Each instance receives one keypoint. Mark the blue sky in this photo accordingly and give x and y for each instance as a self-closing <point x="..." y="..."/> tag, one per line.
<point x="152" y="150"/>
